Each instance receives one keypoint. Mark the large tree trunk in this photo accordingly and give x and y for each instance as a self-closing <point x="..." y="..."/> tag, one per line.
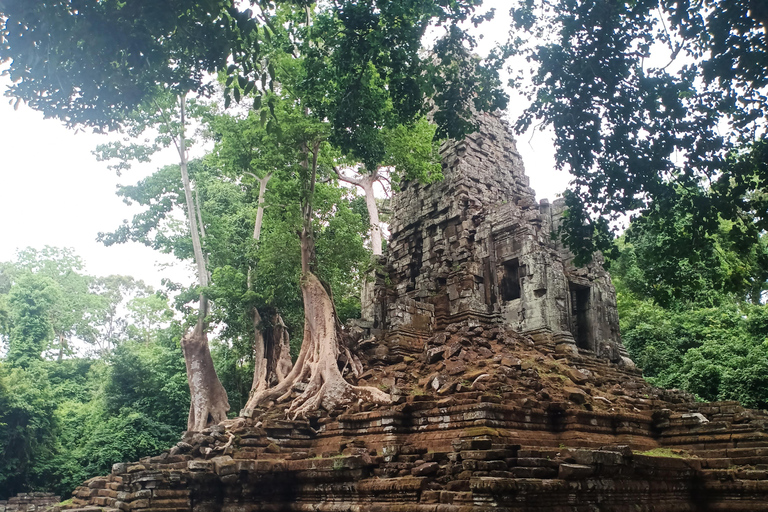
<point x="271" y="353"/>
<point x="209" y="403"/>
<point x="317" y="365"/>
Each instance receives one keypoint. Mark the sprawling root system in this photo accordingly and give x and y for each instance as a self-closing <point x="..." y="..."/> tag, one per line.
<point x="317" y="367"/>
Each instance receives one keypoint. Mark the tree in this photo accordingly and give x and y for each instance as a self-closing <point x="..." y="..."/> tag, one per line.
<point x="113" y="60"/>
<point x="30" y="303"/>
<point x="316" y="85"/>
<point x="27" y="427"/>
<point x="74" y="307"/>
<point x="108" y="323"/>
<point x="654" y="106"/>
<point x="696" y="324"/>
<point x="48" y="301"/>
<point x="168" y="113"/>
<point x="378" y="77"/>
<point x="148" y="314"/>
<point x="93" y="63"/>
<point x="652" y="264"/>
<point x="245" y="151"/>
<point x="410" y="153"/>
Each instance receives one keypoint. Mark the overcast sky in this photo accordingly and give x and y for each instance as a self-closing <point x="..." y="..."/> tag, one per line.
<point x="54" y="192"/>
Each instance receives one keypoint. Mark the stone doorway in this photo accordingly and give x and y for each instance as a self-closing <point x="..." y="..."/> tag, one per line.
<point x="580" y="308"/>
<point x="510" y="281"/>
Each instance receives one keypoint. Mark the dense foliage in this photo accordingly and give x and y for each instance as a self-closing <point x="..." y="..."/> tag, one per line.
<point x="695" y="324"/>
<point x="92" y="373"/>
<point x="655" y="105"/>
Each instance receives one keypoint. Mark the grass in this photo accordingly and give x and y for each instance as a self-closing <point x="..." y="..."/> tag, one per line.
<point x="665" y="452"/>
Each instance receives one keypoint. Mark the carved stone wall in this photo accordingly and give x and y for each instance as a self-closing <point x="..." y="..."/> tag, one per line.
<point x="478" y="246"/>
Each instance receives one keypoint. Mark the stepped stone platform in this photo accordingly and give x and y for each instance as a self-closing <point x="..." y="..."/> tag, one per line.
<point x="30" y="502"/>
<point x="510" y="388"/>
<point x="523" y="429"/>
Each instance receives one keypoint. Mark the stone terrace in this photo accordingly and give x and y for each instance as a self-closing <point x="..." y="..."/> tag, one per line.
<point x="511" y="389"/>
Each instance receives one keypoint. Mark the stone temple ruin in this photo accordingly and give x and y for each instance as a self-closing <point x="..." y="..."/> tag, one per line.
<point x="477" y="247"/>
<point x="510" y="388"/>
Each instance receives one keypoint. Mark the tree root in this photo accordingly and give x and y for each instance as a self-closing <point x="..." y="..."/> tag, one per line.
<point x="271" y="353"/>
<point x="317" y="364"/>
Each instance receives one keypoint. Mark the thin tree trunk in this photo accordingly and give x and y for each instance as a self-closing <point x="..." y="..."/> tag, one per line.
<point x="197" y="248"/>
<point x="373" y="212"/>
<point x="209" y="403"/>
<point x="62" y="342"/>
<point x="366" y="184"/>
<point x="260" y="208"/>
<point x="260" y="361"/>
<point x="199" y="213"/>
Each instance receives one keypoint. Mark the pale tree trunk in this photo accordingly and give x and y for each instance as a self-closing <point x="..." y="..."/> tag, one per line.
<point x="317" y="368"/>
<point x="373" y="212"/>
<point x="209" y="403"/>
<point x="62" y="344"/>
<point x="260" y="208"/>
<point x="271" y="355"/>
<point x="281" y="349"/>
<point x="260" y="361"/>
<point x="366" y="184"/>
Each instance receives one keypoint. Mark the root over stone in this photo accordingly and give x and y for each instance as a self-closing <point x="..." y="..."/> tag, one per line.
<point x="317" y="366"/>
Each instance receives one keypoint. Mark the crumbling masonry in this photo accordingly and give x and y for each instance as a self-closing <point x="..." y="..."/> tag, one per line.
<point x="477" y="247"/>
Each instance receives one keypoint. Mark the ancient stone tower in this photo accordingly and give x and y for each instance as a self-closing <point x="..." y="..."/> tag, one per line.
<point x="476" y="246"/>
<point x="510" y="390"/>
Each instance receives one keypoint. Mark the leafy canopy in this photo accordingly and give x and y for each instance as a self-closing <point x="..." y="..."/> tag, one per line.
<point x="654" y="105"/>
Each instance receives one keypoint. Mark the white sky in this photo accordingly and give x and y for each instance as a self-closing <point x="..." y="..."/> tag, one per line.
<point x="54" y="192"/>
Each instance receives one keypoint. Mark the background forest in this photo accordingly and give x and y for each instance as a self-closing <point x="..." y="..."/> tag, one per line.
<point x="294" y="99"/>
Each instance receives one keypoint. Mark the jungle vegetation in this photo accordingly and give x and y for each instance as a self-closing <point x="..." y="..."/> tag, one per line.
<point x="296" y="97"/>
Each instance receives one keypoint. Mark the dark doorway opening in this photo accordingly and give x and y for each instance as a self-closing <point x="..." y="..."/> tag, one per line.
<point x="510" y="281"/>
<point x="580" y="315"/>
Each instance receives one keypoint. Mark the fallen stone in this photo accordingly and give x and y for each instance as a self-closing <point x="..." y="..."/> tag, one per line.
<point x="426" y="469"/>
<point x="574" y="471"/>
<point x="575" y="395"/>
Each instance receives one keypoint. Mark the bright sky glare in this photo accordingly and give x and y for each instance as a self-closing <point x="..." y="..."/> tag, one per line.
<point x="54" y="192"/>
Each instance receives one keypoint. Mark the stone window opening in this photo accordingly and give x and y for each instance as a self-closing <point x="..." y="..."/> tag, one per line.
<point x="580" y="315"/>
<point x="510" y="281"/>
